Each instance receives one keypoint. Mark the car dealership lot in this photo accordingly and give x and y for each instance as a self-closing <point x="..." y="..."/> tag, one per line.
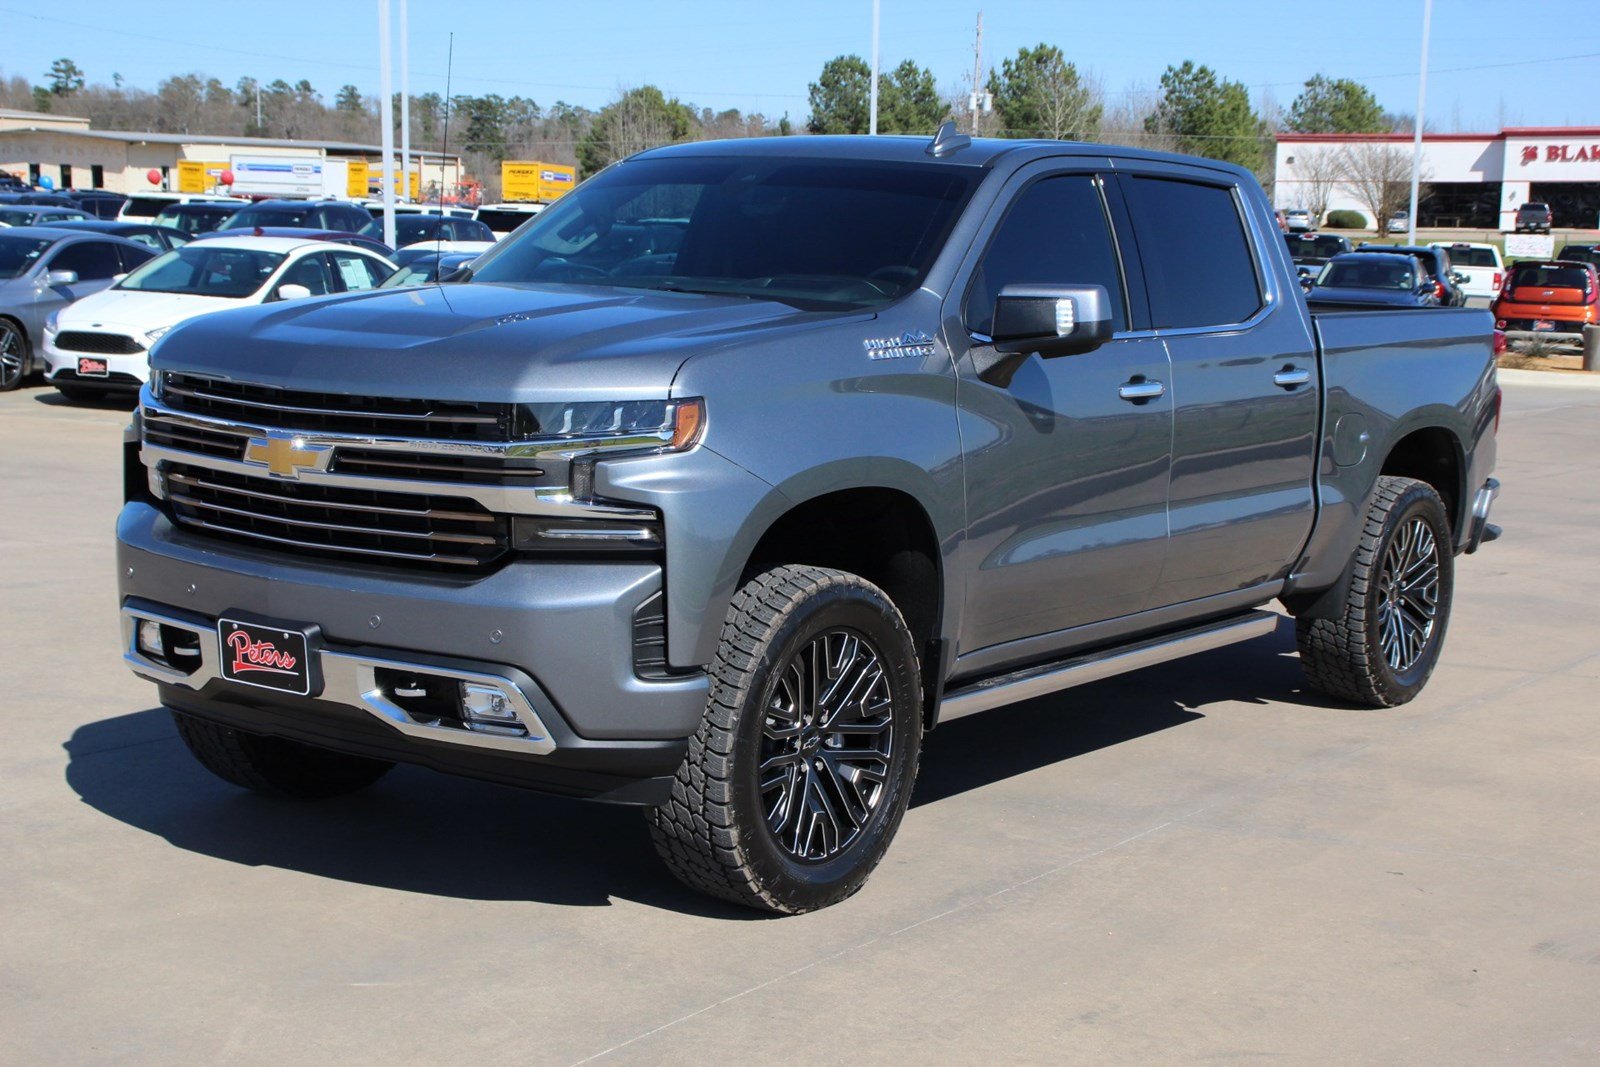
<point x="1195" y="861"/>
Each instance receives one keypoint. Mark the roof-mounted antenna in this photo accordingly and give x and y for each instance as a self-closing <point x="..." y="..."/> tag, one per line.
<point x="947" y="140"/>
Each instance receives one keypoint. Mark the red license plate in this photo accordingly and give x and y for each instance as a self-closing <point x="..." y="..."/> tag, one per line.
<point x="91" y="368"/>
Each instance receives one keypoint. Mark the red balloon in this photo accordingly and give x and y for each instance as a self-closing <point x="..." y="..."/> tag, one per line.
<point x="227" y="177"/>
<point x="154" y="176"/>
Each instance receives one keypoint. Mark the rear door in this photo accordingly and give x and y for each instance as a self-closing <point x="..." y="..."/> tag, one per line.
<point x="1243" y="379"/>
<point x="1066" y="465"/>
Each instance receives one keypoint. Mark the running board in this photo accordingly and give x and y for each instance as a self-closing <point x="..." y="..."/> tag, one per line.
<point x="1064" y="674"/>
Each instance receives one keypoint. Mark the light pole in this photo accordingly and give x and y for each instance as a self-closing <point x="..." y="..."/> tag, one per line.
<point x="1416" y="134"/>
<point x="872" y="122"/>
<point x="386" y="118"/>
<point x="405" y="104"/>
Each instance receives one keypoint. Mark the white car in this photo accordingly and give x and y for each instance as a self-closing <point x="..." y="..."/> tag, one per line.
<point x="1400" y="222"/>
<point x="144" y="207"/>
<point x="1481" y="265"/>
<point x="504" y="218"/>
<point x="101" y="344"/>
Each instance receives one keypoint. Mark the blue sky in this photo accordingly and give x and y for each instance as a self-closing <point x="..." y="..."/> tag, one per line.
<point x="760" y="56"/>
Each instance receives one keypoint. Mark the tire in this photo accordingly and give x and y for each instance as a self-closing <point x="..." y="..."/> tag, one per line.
<point x="79" y="394"/>
<point x="274" y="765"/>
<point x="809" y="832"/>
<point x="1381" y="647"/>
<point x="14" y="358"/>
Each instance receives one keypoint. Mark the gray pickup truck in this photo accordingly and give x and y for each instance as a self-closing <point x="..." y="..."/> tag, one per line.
<point x="748" y="463"/>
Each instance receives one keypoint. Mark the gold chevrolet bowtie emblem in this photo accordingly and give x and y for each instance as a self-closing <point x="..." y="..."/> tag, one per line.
<point x="286" y="455"/>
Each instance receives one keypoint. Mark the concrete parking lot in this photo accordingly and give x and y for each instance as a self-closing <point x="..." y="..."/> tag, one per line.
<point x="1200" y="861"/>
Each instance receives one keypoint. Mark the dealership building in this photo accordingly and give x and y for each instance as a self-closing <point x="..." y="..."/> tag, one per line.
<point x="1472" y="180"/>
<point x="36" y="146"/>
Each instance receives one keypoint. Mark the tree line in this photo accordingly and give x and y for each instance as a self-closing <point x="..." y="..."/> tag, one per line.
<point x="1037" y="92"/>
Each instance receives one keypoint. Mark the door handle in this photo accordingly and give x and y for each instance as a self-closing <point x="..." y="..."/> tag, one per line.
<point x="1289" y="377"/>
<point x="1140" y="390"/>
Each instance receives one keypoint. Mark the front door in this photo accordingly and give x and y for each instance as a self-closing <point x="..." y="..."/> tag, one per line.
<point x="1066" y="464"/>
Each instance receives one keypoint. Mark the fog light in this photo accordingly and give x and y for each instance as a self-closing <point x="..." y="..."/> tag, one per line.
<point x="149" y="638"/>
<point x="487" y="708"/>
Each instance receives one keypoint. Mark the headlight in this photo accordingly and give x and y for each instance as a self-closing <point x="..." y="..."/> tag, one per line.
<point x="52" y="322"/>
<point x="595" y="430"/>
<point x="156" y="334"/>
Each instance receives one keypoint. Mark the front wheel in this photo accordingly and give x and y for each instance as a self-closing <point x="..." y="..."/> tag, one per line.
<point x="802" y="767"/>
<point x="275" y="765"/>
<point x="1381" y="647"/>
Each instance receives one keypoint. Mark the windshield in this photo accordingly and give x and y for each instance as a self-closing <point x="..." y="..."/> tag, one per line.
<point x="821" y="234"/>
<point x="1367" y="274"/>
<point x="19" y="254"/>
<point x="202" y="269"/>
<point x="1323" y="247"/>
<point x="251" y="217"/>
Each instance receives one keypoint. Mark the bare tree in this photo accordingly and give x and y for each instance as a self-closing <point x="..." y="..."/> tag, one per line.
<point x="1317" y="175"/>
<point x="1378" y="176"/>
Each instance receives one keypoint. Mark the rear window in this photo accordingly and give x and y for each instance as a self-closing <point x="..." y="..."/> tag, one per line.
<point x="1322" y="247"/>
<point x="1547" y="276"/>
<point x="1472" y="257"/>
<point x="504" y="221"/>
<point x="1209" y="277"/>
<point x="1370" y="273"/>
<point x="1536" y="207"/>
<point x="146" y="206"/>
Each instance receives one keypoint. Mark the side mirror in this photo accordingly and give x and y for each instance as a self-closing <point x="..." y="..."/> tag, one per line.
<point x="291" y="291"/>
<point x="61" y="277"/>
<point x="1052" y="320"/>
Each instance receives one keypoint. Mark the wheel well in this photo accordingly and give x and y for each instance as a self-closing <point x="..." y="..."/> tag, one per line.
<point x="882" y="535"/>
<point x="1433" y="456"/>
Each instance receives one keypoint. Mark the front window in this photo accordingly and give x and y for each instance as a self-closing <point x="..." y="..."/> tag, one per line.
<point x="202" y="269"/>
<point x="827" y="235"/>
<point x="19" y="254"/>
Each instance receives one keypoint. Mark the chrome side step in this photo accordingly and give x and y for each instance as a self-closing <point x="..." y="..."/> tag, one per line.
<point x="1064" y="674"/>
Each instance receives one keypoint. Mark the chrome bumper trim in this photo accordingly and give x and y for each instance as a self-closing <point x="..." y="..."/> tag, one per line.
<point x="349" y="679"/>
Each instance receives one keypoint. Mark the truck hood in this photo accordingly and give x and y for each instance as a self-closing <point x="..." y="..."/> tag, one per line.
<point x="476" y="342"/>
<point x="139" y="311"/>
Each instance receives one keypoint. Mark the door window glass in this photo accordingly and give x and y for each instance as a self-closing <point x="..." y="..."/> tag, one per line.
<point x="1196" y="256"/>
<point x="1055" y="234"/>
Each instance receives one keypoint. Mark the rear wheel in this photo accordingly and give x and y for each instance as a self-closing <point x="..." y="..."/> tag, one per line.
<point x="800" y="772"/>
<point x="1381" y="648"/>
<point x="13" y="355"/>
<point x="274" y="765"/>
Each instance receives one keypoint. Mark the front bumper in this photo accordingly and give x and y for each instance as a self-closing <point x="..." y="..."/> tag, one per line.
<point x="125" y="372"/>
<point x="560" y="632"/>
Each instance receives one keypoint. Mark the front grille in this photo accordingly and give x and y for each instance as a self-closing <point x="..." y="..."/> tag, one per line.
<point x="191" y="437"/>
<point x="479" y="470"/>
<point x="380" y="527"/>
<point x="295" y="409"/>
<point x="104" y="344"/>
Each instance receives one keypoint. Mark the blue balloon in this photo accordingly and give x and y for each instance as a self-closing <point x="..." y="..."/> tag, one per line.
<point x="48" y="183"/>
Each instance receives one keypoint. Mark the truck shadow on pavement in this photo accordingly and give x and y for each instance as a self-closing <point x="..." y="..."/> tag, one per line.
<point x="421" y="832"/>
